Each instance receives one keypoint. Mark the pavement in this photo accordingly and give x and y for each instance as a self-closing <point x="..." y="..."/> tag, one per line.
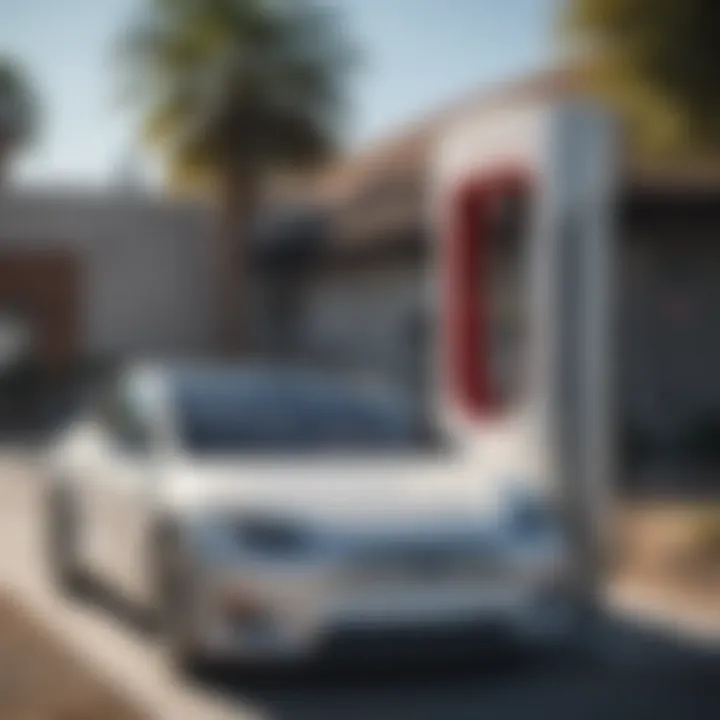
<point x="641" y="662"/>
<point x="653" y="609"/>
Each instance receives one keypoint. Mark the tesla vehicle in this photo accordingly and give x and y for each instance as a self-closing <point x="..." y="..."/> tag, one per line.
<point x="274" y="514"/>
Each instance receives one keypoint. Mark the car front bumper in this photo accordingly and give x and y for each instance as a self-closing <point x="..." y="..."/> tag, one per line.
<point x="265" y="614"/>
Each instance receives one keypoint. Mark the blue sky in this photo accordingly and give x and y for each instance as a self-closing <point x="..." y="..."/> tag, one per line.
<point x="418" y="55"/>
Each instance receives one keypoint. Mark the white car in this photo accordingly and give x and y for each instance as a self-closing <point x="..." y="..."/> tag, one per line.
<point x="274" y="514"/>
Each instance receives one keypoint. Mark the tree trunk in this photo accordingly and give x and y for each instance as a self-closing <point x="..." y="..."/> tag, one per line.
<point x="238" y="206"/>
<point x="4" y="163"/>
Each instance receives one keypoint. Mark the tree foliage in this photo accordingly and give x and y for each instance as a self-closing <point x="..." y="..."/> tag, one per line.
<point x="18" y="108"/>
<point x="659" y="62"/>
<point x="236" y="87"/>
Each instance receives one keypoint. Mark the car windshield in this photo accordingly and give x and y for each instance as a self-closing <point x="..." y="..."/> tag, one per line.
<point x="276" y="412"/>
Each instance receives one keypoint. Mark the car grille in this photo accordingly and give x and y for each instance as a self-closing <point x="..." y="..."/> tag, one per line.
<point x="425" y="563"/>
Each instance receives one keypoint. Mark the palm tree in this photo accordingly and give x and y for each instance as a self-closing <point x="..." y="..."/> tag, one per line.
<point x="18" y="113"/>
<point x="231" y="91"/>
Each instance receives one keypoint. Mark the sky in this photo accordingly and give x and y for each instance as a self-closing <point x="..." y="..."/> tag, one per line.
<point x="416" y="55"/>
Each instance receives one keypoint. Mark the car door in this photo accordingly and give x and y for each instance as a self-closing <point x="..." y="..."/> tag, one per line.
<point x="119" y="493"/>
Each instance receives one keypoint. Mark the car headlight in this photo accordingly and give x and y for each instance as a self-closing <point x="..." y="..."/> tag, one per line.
<point x="226" y="538"/>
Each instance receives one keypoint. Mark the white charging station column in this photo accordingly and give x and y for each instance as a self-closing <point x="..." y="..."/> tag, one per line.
<point x="561" y="159"/>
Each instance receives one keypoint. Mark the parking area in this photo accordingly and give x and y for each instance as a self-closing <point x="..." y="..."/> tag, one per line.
<point x="623" y="671"/>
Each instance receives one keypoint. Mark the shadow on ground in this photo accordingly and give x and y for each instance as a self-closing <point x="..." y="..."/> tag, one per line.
<point x="625" y="672"/>
<point x="621" y="671"/>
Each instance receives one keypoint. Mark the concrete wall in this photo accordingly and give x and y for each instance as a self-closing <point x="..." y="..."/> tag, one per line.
<point x="145" y="266"/>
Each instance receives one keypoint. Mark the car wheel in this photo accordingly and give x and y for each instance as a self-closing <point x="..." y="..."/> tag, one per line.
<point x="175" y="605"/>
<point x="61" y="549"/>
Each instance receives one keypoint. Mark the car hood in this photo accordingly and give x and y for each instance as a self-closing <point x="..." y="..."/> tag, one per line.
<point x="345" y="493"/>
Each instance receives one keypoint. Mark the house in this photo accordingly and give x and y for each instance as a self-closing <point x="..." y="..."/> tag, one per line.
<point x="103" y="275"/>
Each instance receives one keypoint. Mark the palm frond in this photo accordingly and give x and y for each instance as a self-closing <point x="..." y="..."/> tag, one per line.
<point x="256" y="81"/>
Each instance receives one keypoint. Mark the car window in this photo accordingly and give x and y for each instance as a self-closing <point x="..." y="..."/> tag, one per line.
<point x="284" y="414"/>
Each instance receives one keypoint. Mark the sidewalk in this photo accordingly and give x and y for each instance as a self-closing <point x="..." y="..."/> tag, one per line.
<point x="668" y="609"/>
<point x="41" y="678"/>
